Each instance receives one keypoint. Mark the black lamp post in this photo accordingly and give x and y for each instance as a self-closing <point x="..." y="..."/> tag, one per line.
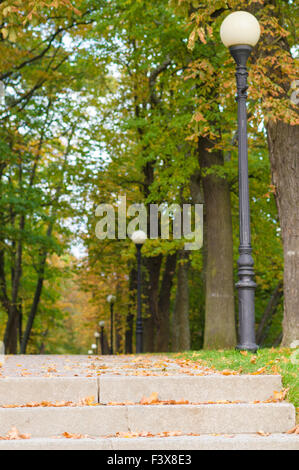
<point x="240" y="31"/>
<point x="111" y="300"/>
<point x="102" y="326"/>
<point x="139" y="238"/>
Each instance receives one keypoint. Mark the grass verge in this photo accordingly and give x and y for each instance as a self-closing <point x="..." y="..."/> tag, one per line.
<point x="281" y="361"/>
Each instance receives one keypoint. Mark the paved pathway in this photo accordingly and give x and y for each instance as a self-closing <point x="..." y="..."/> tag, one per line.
<point x="92" y="366"/>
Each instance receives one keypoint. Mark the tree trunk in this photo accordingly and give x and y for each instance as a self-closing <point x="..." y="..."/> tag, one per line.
<point x="268" y="314"/>
<point x="37" y="295"/>
<point x="106" y="349"/>
<point x="33" y="312"/>
<point x="220" y="328"/>
<point x="283" y="148"/>
<point x="180" y="320"/>
<point x="153" y="266"/>
<point x="12" y="327"/>
<point x="11" y="333"/>
<point x="162" y="322"/>
<point x="130" y="315"/>
<point x="129" y="334"/>
<point x="119" y="347"/>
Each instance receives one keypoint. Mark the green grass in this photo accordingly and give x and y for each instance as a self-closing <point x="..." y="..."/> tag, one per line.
<point x="270" y="360"/>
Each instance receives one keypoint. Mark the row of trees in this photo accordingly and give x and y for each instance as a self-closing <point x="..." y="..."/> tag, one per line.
<point x="129" y="98"/>
<point x="44" y="127"/>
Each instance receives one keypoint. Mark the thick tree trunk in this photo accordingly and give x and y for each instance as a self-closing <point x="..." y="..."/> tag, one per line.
<point x="180" y="320"/>
<point x="283" y="142"/>
<point x="11" y="333"/>
<point x="150" y="314"/>
<point x="106" y="349"/>
<point x="119" y="347"/>
<point x="129" y="334"/>
<point x="220" y="328"/>
<point x="131" y="311"/>
<point x="13" y="323"/>
<point x="163" y="321"/>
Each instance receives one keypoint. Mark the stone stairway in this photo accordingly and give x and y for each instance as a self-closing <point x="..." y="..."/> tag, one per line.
<point x="134" y="403"/>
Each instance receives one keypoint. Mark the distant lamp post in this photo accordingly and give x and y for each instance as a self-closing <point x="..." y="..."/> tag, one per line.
<point x="102" y="326"/>
<point x="240" y="31"/>
<point x="111" y="301"/>
<point x="94" y="348"/>
<point x="90" y="352"/>
<point x="139" y="238"/>
<point x="97" y="337"/>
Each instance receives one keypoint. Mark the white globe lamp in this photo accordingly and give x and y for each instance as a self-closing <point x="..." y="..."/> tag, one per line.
<point x="240" y="28"/>
<point x="139" y="237"/>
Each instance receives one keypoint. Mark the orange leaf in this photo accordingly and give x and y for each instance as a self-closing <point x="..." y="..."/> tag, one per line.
<point x="280" y="395"/>
<point x="151" y="400"/>
<point x="68" y="435"/>
<point x="262" y="433"/>
<point x="260" y="371"/>
<point x="244" y="353"/>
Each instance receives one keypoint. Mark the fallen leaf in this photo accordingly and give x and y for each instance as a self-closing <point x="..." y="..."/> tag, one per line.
<point x="260" y="371"/>
<point x="229" y="372"/>
<point x="151" y="400"/>
<point x="68" y="435"/>
<point x="294" y="430"/>
<point x="280" y="396"/>
<point x="14" y="435"/>
<point x="88" y="401"/>
<point x="264" y="434"/>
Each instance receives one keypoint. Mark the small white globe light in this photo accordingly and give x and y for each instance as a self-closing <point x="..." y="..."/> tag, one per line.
<point x="102" y="324"/>
<point x="93" y="346"/>
<point x="111" y="299"/>
<point x="97" y="335"/>
<point x="139" y="237"/>
<point x="240" y="28"/>
<point x="90" y="352"/>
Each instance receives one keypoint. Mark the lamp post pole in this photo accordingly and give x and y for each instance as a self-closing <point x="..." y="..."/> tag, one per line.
<point x="97" y="337"/>
<point x="246" y="285"/>
<point x="240" y="31"/>
<point x="139" y="323"/>
<point x="139" y="238"/>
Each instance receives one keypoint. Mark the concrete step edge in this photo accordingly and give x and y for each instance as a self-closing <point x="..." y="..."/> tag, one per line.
<point x="245" y="388"/>
<point x="203" y="442"/>
<point x="108" y="420"/>
<point x="105" y="389"/>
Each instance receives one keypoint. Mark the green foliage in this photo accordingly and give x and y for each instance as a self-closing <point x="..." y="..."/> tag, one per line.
<point x="112" y="100"/>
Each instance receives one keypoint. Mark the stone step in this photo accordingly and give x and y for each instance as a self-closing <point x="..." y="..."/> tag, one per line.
<point x="23" y="390"/>
<point x="120" y="389"/>
<point x="108" y="420"/>
<point x="204" y="442"/>
<point x="244" y="388"/>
